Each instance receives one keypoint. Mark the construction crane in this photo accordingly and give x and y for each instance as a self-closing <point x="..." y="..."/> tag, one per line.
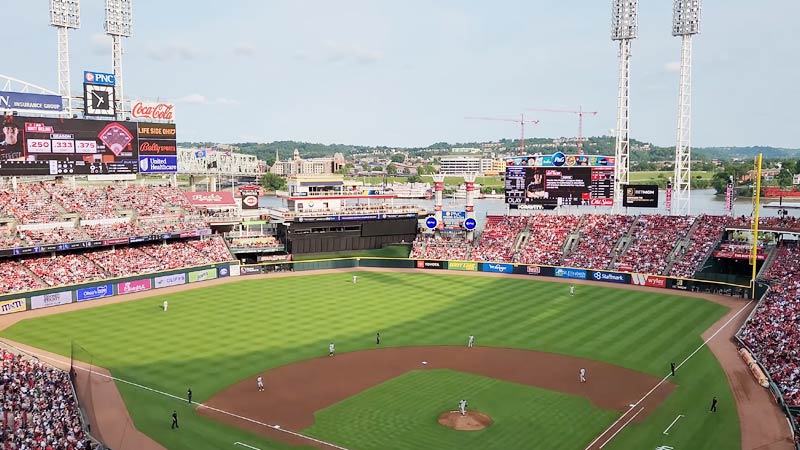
<point x="580" y="112"/>
<point x="521" y="121"/>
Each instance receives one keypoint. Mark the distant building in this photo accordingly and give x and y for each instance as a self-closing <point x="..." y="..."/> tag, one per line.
<point x="311" y="166"/>
<point x="457" y="165"/>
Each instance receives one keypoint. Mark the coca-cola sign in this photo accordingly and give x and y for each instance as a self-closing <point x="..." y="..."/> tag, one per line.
<point x="156" y="111"/>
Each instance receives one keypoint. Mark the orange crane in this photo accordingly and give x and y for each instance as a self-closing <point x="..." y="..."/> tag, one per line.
<point x="521" y="121"/>
<point x="580" y="112"/>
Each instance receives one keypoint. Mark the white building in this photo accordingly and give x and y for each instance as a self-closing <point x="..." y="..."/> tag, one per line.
<point x="458" y="165"/>
<point x="312" y="166"/>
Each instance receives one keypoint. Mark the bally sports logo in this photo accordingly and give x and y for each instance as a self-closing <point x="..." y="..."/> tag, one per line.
<point x="641" y="279"/>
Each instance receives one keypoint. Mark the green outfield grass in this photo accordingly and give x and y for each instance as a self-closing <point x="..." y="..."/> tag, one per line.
<point x="211" y="337"/>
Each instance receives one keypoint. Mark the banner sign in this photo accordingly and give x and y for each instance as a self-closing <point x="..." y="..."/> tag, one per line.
<point x="202" y="275"/>
<point x="429" y="264"/>
<point x="497" y="267"/>
<point x="235" y="272"/>
<point x="250" y="200"/>
<point x="53" y="299"/>
<point x="129" y="287"/>
<point x="158" y="164"/>
<point x="153" y="110"/>
<point x="223" y="271"/>
<point x="611" y="277"/>
<point x="105" y="79"/>
<point x="668" y="196"/>
<point x="454" y="215"/>
<point x="221" y="198"/>
<point x="250" y="270"/>
<point x="564" y="272"/>
<point x="732" y="254"/>
<point x="95" y="292"/>
<point x="12" y="306"/>
<point x="462" y="265"/>
<point x="559" y="159"/>
<point x="729" y="197"/>
<point x="170" y="280"/>
<point x="641" y="279"/>
<point x="31" y="102"/>
<point x="640" y="195"/>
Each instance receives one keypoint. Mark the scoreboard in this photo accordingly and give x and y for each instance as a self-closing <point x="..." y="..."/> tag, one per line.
<point x="559" y="181"/>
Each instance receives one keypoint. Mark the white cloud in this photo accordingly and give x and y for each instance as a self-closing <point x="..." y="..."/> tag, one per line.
<point x="672" y="67"/>
<point x="100" y="44"/>
<point x="337" y="52"/>
<point x="226" y="101"/>
<point x="244" y="49"/>
<point x="173" y="50"/>
<point x="200" y="99"/>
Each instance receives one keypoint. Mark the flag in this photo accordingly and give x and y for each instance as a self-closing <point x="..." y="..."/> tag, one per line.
<point x="200" y="153"/>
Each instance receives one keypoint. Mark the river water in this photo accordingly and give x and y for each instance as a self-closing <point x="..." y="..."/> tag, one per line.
<point x="704" y="201"/>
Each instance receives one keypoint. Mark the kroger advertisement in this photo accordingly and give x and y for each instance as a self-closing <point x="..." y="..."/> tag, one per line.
<point x="497" y="268"/>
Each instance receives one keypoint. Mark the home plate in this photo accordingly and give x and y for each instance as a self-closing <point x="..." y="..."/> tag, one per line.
<point x="424" y="362"/>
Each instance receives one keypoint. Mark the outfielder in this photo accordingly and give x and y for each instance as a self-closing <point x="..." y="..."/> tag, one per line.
<point x="355" y="278"/>
<point x="471" y="341"/>
<point x="571" y="291"/>
<point x="260" y="382"/>
<point x="462" y="406"/>
<point x="583" y="375"/>
<point x="331" y="349"/>
<point x="165" y="306"/>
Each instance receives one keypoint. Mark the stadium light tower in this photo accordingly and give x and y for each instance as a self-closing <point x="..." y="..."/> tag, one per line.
<point x="623" y="29"/>
<point x="119" y="20"/>
<point x="685" y="23"/>
<point x="64" y="14"/>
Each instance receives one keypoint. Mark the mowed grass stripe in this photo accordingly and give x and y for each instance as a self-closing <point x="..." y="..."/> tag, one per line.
<point x="212" y="337"/>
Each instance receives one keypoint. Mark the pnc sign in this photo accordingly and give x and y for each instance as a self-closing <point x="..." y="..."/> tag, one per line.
<point x="106" y="79"/>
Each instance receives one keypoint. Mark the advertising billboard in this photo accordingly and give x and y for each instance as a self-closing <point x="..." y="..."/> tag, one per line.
<point x="249" y="200"/>
<point x="12" y="306"/>
<point x="152" y="110"/>
<point x="430" y="264"/>
<point x="556" y="186"/>
<point x="565" y="272"/>
<point x="223" y="271"/>
<point x="202" y="275"/>
<point x="462" y="265"/>
<point x="49" y="146"/>
<point x="640" y="196"/>
<point x="611" y="277"/>
<point x="95" y="292"/>
<point x="250" y="270"/>
<point x="641" y="279"/>
<point x="53" y="299"/>
<point x="129" y="287"/>
<point x="175" y="279"/>
<point x="497" y="268"/>
<point x="30" y="102"/>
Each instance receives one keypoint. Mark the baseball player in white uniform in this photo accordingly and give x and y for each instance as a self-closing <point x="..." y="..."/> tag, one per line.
<point x="331" y="349"/>
<point x="260" y="382"/>
<point x="571" y="291"/>
<point x="165" y="306"/>
<point x="471" y="340"/>
<point x="583" y="375"/>
<point x="462" y="406"/>
<point x="355" y="278"/>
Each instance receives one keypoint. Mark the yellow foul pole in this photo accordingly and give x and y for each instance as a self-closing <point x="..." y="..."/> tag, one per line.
<point x="756" y="204"/>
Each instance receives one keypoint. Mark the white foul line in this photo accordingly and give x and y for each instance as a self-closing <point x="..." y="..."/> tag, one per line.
<point x="663" y="380"/>
<point x="673" y="423"/>
<point x="620" y="428"/>
<point x="245" y="445"/>
<point x="275" y="427"/>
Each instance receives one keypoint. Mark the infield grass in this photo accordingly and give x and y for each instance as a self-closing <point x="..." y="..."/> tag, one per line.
<point x="214" y="336"/>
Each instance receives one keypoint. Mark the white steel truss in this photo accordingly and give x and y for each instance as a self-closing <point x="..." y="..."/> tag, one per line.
<point x="116" y="65"/>
<point x="682" y="185"/>
<point x="212" y="162"/>
<point x="622" y="147"/>
<point x="63" y="68"/>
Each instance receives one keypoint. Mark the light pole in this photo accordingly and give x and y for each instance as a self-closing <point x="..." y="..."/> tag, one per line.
<point x="685" y="23"/>
<point x="64" y="14"/>
<point x="119" y="20"/>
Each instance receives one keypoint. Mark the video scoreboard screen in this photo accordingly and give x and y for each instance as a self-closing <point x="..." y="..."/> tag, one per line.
<point x="559" y="186"/>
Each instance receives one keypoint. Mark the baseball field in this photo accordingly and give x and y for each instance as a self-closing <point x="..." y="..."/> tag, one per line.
<point x="531" y="338"/>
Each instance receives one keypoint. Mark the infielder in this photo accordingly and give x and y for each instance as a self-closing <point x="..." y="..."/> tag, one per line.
<point x="462" y="406"/>
<point x="260" y="382"/>
<point x="471" y="341"/>
<point x="571" y="291"/>
<point x="331" y="349"/>
<point x="165" y="306"/>
<point x="583" y="375"/>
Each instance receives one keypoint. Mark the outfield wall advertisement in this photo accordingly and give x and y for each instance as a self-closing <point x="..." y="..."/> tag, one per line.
<point x="497" y="268"/>
<point x="566" y="272"/>
<point x="175" y="279"/>
<point x="52" y="299"/>
<point x="94" y="292"/>
<point x="202" y="275"/>
<point x="430" y="264"/>
<point x="250" y="270"/>
<point x="12" y="306"/>
<point x="462" y="265"/>
<point x="611" y="277"/>
<point x="129" y="287"/>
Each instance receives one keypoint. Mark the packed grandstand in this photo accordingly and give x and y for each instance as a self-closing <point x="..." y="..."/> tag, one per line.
<point x="48" y="213"/>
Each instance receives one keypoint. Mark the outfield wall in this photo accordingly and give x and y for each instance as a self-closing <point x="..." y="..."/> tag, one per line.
<point x="98" y="290"/>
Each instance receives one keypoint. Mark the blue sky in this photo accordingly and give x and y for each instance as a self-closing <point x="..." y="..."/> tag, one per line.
<point x="406" y="73"/>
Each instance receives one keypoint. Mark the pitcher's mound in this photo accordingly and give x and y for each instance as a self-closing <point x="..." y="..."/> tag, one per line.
<point x="473" y="420"/>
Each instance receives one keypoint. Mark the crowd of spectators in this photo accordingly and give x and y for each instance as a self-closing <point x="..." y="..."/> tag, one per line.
<point x="106" y="201"/>
<point x="72" y="268"/>
<point x="705" y="236"/>
<point x="599" y="234"/>
<point x="778" y="223"/>
<point x="428" y="246"/>
<point x="32" y="203"/>
<point x="496" y="242"/>
<point x="266" y="241"/>
<point x="653" y="239"/>
<point x="39" y="409"/>
<point x="773" y="332"/>
<point x="545" y="243"/>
